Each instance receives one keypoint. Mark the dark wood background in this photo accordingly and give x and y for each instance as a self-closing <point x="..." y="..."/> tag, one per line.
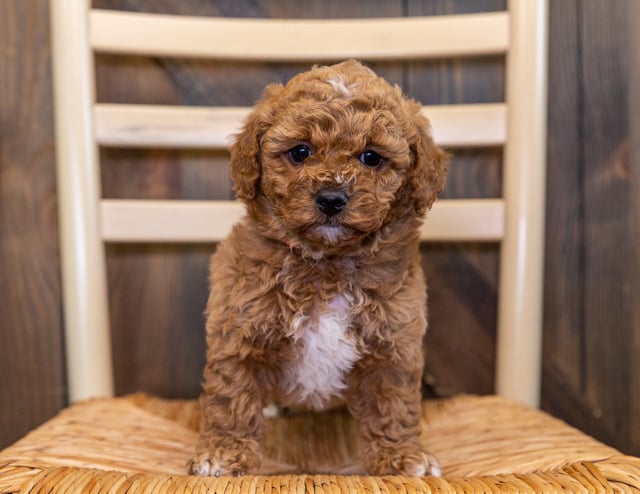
<point x="591" y="374"/>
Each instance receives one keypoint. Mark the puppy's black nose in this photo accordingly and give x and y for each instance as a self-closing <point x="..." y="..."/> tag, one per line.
<point x="331" y="201"/>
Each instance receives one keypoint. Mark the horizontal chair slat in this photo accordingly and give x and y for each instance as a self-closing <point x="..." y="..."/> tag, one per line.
<point x="299" y="39"/>
<point x="462" y="220"/>
<point x="211" y="221"/>
<point x="167" y="126"/>
<point x="212" y="127"/>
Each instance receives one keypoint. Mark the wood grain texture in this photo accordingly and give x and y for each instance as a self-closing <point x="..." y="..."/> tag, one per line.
<point x="32" y="381"/>
<point x="589" y="325"/>
<point x="607" y="300"/>
<point x="563" y="289"/>
<point x="633" y="42"/>
<point x="563" y="391"/>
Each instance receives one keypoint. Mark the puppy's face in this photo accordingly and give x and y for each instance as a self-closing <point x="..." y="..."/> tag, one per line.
<point x="334" y="156"/>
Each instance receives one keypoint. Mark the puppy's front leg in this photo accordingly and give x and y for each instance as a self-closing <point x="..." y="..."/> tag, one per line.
<point x="232" y="422"/>
<point x="385" y="398"/>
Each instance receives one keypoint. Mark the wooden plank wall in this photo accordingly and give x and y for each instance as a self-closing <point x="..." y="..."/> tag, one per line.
<point x="32" y="380"/>
<point x="591" y="312"/>
<point x="157" y="293"/>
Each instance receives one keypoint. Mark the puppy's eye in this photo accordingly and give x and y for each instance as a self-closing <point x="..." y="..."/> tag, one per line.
<point x="299" y="153"/>
<point x="370" y="158"/>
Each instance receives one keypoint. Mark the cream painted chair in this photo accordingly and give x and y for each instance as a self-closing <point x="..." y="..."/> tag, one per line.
<point x="516" y="220"/>
<point x="119" y="444"/>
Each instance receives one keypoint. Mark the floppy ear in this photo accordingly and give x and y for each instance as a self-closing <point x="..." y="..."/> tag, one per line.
<point x="430" y="164"/>
<point x="245" y="150"/>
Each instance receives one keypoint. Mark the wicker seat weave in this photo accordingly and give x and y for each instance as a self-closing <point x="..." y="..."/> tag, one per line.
<point x="141" y="444"/>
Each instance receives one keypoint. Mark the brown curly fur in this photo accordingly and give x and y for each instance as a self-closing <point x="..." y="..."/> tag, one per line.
<point x="280" y="275"/>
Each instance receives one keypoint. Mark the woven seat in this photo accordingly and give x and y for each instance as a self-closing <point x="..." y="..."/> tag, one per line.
<point x="142" y="444"/>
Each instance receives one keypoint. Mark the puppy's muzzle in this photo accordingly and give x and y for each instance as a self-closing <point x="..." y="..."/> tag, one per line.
<point x="331" y="201"/>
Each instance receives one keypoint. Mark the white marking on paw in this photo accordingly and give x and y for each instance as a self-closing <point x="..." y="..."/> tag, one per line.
<point x="206" y="468"/>
<point x="201" y="468"/>
<point x="420" y="471"/>
<point x="429" y="466"/>
<point x="271" y="411"/>
<point x="216" y="470"/>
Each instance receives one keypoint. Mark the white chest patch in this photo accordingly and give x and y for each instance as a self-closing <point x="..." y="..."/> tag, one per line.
<point x="327" y="355"/>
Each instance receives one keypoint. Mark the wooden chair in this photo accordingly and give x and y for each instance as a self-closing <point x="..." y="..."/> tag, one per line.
<point x="495" y="443"/>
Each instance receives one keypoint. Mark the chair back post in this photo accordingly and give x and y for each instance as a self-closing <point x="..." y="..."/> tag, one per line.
<point x="519" y="352"/>
<point x="87" y="340"/>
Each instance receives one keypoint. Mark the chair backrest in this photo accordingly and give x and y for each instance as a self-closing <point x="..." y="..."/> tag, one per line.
<point x="82" y="124"/>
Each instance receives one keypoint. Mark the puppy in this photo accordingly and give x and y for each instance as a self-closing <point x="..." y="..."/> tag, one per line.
<point x="317" y="296"/>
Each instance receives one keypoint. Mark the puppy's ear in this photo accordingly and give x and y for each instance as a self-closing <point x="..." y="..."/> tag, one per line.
<point x="430" y="164"/>
<point x="245" y="150"/>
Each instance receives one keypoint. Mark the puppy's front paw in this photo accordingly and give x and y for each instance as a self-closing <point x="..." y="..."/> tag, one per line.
<point x="203" y="465"/>
<point x="408" y="462"/>
<point x="228" y="458"/>
<point x="420" y="465"/>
